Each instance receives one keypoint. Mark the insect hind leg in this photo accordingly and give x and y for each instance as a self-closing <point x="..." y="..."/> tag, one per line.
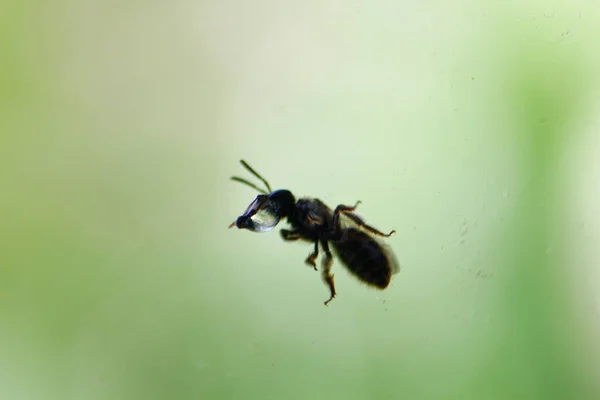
<point x="342" y="209"/>
<point x="345" y="209"/>
<point x="337" y="228"/>
<point x="367" y="227"/>
<point x="327" y="261"/>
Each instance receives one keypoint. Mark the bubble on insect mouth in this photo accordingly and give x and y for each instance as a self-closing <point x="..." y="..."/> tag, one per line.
<point x="264" y="220"/>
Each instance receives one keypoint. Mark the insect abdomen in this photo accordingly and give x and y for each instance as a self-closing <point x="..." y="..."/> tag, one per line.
<point x="364" y="257"/>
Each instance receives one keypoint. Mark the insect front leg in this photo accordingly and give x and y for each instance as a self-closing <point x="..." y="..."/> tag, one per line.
<point x="290" y="236"/>
<point x="327" y="276"/>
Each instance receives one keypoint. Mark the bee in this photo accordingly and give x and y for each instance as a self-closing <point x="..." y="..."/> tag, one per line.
<point x="356" y="244"/>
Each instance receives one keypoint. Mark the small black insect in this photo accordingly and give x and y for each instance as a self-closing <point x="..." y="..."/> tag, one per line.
<point x="355" y="242"/>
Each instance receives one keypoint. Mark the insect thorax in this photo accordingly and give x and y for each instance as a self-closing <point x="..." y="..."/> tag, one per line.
<point x="311" y="216"/>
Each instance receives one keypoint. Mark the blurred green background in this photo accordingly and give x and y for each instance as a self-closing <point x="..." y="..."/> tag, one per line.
<point x="470" y="128"/>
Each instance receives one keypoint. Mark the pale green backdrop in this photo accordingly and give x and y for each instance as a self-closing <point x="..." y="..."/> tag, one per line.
<point x="470" y="128"/>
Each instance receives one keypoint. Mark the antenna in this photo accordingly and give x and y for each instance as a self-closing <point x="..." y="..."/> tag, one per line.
<point x="256" y="174"/>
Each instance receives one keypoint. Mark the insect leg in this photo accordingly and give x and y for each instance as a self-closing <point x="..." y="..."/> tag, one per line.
<point x="342" y="209"/>
<point x="337" y="229"/>
<point x="348" y="211"/>
<point x="327" y="276"/>
<point x="311" y="260"/>
<point x="366" y="227"/>
<point x="290" y="235"/>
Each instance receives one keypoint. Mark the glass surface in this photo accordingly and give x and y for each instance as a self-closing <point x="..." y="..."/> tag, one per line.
<point x="471" y="128"/>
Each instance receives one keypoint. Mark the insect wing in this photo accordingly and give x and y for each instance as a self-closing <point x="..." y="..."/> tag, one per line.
<point x="365" y="255"/>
